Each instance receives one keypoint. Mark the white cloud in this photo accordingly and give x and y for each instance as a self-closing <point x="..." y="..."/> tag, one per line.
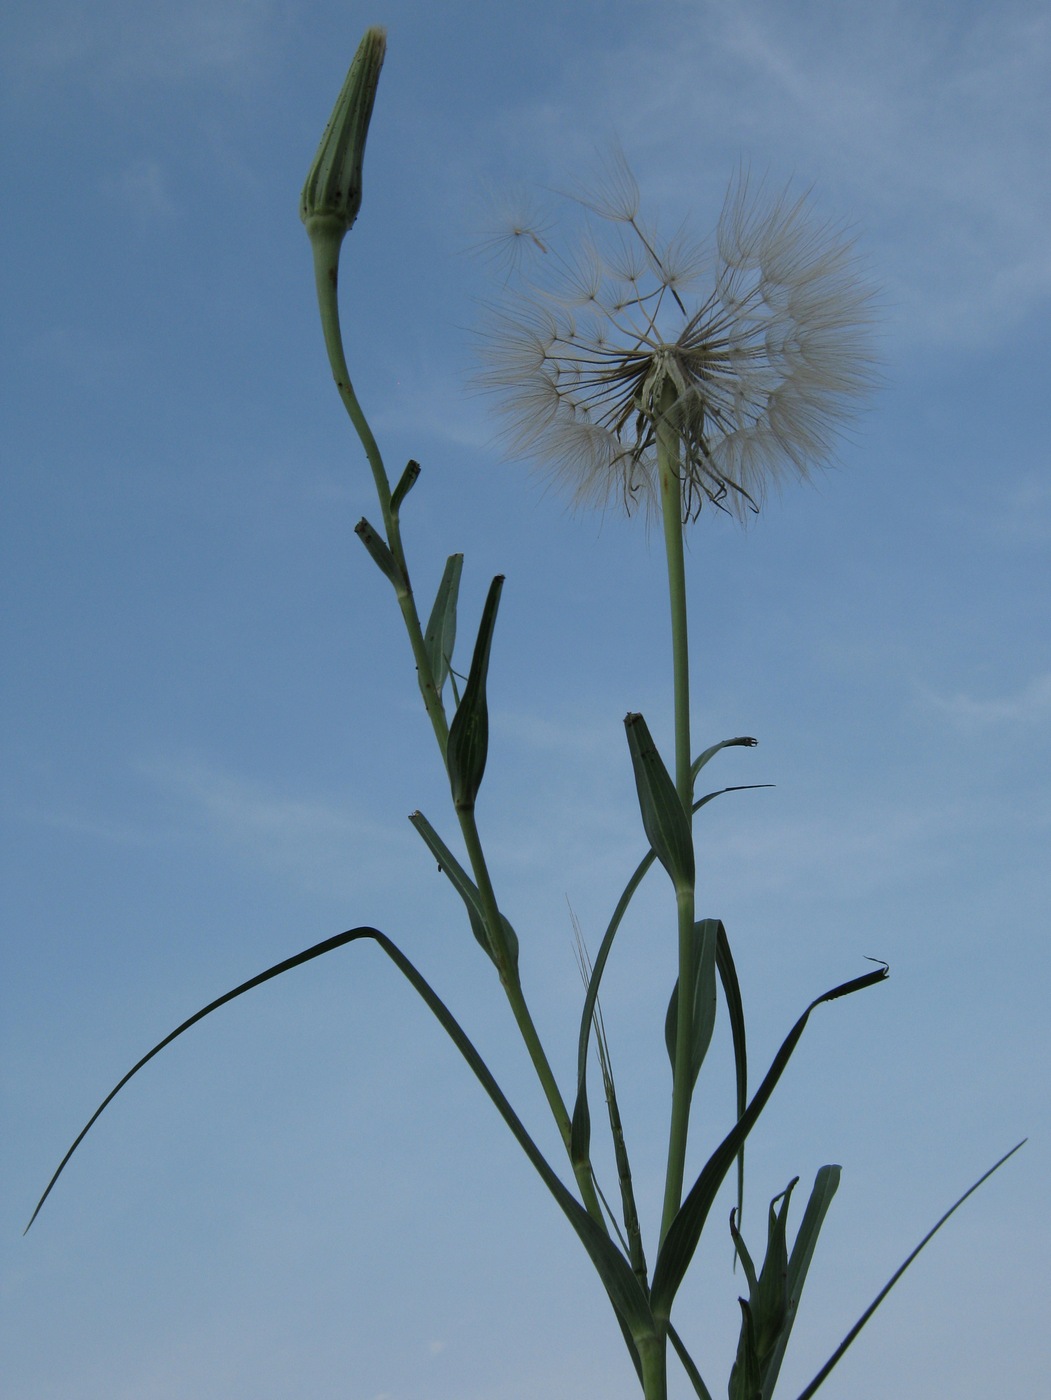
<point x="143" y="187"/>
<point x="1025" y="514"/>
<point x="847" y="855"/>
<point x="930" y="127"/>
<point x="1030" y="705"/>
<point x="322" y="845"/>
<point x="126" y="43"/>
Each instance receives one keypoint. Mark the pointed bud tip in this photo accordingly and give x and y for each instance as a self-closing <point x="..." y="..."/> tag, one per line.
<point x="331" y="195"/>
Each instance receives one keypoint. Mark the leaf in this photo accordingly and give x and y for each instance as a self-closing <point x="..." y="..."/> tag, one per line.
<point x="772" y="1301"/>
<point x="836" y="1356"/>
<point x="469" y="732"/>
<point x="702" y="759"/>
<point x="826" y="1183"/>
<point x="683" y="1234"/>
<point x="381" y="554"/>
<point x="581" y="1134"/>
<point x="621" y="1285"/>
<point x="735" y="1010"/>
<point x="688" y="1364"/>
<point x="632" y="1238"/>
<point x="707" y="933"/>
<point x="406" y="482"/>
<point x="315" y="952"/>
<point x="745" y="1381"/>
<point x="663" y="817"/>
<point x="440" y="637"/>
<point x="466" y="889"/>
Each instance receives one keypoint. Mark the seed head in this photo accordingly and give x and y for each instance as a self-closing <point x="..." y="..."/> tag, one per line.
<point x="754" y="350"/>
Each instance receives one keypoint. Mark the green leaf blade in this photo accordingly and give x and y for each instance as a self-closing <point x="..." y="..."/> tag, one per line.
<point x="664" y="819"/>
<point x="468" y="746"/>
<point x="439" y="639"/>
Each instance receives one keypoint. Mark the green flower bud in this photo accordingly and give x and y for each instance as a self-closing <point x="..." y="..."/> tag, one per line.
<point x="331" y="196"/>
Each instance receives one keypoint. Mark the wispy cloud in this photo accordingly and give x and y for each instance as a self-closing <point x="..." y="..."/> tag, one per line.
<point x="1025" y="509"/>
<point x="121" y="43"/>
<point x="143" y="187"/>
<point x="1028" y="706"/>
<point x="323" y="846"/>
<point x="929" y="126"/>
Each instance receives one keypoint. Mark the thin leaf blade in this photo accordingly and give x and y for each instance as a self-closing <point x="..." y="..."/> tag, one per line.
<point x="439" y="639"/>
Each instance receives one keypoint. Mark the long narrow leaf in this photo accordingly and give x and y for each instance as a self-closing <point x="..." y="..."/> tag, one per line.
<point x="440" y="636"/>
<point x="707" y="933"/>
<point x="623" y="1288"/>
<point x="826" y="1183"/>
<point x="735" y="1008"/>
<point x="836" y="1356"/>
<point x="466" y="889"/>
<point x="289" y="963"/>
<point x="632" y="1239"/>
<point x="663" y="815"/>
<point x="746" y="741"/>
<point x="581" y="1138"/>
<point x="685" y="1230"/>
<point x="688" y="1364"/>
<point x="468" y="746"/>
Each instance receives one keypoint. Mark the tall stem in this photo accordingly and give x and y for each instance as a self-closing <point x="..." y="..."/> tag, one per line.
<point x="654" y="1360"/>
<point x="520" y="1010"/>
<point x="325" y="243"/>
<point x="668" y="453"/>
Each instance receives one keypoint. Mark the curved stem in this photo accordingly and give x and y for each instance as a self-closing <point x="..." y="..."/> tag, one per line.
<point x="325" y="244"/>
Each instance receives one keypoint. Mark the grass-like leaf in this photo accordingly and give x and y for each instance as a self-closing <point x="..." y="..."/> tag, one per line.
<point x="735" y="1009"/>
<point x="468" y="746"/>
<point x="581" y="1135"/>
<point x="707" y="933"/>
<point x="825" y="1186"/>
<point x="466" y="889"/>
<point x="688" y="1364"/>
<point x="623" y="1288"/>
<point x="440" y="637"/>
<point x="837" y="1355"/>
<point x="632" y="1238"/>
<point x="663" y="816"/>
<point x="746" y="742"/>
<point x="685" y="1230"/>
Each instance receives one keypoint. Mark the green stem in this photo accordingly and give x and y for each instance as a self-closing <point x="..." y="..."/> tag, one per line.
<point x="512" y="986"/>
<point x="682" y="1080"/>
<point x="325" y="241"/>
<point x="653" y="1357"/>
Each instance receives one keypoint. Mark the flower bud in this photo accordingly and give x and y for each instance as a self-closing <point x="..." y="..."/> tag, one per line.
<point x="331" y="196"/>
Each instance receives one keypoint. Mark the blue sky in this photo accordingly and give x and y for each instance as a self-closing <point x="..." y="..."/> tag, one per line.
<point x="212" y="737"/>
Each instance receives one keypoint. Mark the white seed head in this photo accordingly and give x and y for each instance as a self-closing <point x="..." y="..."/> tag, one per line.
<point x="754" y="349"/>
